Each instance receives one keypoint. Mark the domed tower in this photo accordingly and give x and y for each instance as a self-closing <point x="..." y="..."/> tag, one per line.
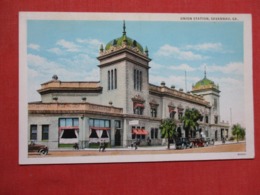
<point x="124" y="66"/>
<point x="210" y="92"/>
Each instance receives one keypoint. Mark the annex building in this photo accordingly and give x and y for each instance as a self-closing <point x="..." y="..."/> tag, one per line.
<point x="122" y="106"/>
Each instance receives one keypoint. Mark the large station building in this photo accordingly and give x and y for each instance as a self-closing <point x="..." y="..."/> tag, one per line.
<point x="122" y="106"/>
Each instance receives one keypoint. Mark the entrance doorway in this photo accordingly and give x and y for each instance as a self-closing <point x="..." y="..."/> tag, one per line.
<point x="118" y="138"/>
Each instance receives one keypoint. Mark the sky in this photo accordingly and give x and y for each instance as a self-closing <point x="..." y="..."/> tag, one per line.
<point x="68" y="48"/>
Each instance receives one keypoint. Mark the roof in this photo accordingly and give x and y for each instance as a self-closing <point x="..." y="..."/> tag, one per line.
<point x="123" y="41"/>
<point x="205" y="83"/>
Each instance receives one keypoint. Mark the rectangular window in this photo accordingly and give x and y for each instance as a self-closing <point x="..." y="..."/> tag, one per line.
<point x="155" y="133"/>
<point x="45" y="132"/>
<point x="152" y="133"/>
<point x="153" y="112"/>
<point x="216" y="119"/>
<point x="108" y="80"/>
<point x="62" y="122"/>
<point x="68" y="122"/>
<point x="99" y="123"/>
<point x="140" y="81"/>
<point x="117" y="124"/>
<point x="112" y="80"/>
<point x="115" y="78"/>
<point x="33" y="132"/>
<point x="134" y="79"/>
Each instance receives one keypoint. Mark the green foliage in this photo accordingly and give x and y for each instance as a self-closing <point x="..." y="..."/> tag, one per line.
<point x="190" y="120"/>
<point x="168" y="129"/>
<point x="238" y="131"/>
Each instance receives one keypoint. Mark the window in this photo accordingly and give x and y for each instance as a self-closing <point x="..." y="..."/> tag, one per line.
<point x="138" y="80"/>
<point x="112" y="79"/>
<point x="68" y="122"/>
<point x="215" y="105"/>
<point x="108" y="80"/>
<point x="207" y="119"/>
<point x="99" y="123"/>
<point x="33" y="132"/>
<point x="45" y="132"/>
<point x="180" y="113"/>
<point x="117" y="124"/>
<point x="115" y="78"/>
<point x="138" y="110"/>
<point x="216" y="119"/>
<point x="154" y="133"/>
<point x="172" y="114"/>
<point x="154" y="112"/>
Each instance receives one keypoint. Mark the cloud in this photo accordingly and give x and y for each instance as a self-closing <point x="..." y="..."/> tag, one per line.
<point x="34" y="46"/>
<point x="56" y="50"/>
<point x="175" y="52"/>
<point x="183" y="67"/>
<point x="205" y="47"/>
<point x="68" y="45"/>
<point x="230" y="68"/>
<point x="95" y="43"/>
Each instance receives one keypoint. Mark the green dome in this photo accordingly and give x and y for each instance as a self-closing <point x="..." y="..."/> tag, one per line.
<point x="205" y="83"/>
<point x="124" y="40"/>
<point x="119" y="42"/>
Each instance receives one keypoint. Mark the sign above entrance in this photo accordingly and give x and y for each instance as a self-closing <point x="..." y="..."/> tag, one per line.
<point x="134" y="122"/>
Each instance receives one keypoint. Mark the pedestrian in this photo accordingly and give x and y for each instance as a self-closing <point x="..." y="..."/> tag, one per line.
<point x="101" y="145"/>
<point x="148" y="141"/>
<point x="104" y="146"/>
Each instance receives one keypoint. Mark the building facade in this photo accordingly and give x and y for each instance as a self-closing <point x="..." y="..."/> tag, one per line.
<point x="123" y="106"/>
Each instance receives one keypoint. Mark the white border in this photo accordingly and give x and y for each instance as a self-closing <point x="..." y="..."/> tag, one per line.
<point x="23" y="105"/>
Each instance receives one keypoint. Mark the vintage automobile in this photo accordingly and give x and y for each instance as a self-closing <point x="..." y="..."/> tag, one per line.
<point x="41" y="149"/>
<point x="183" y="143"/>
<point x="201" y="142"/>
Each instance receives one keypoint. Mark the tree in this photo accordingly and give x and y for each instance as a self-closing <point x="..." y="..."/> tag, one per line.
<point x="190" y="120"/>
<point x="238" y="131"/>
<point x="168" y="129"/>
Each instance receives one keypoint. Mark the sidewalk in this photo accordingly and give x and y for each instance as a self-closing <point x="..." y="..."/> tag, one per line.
<point x="143" y="148"/>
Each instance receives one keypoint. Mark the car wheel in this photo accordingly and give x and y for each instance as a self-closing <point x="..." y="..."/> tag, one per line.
<point x="43" y="152"/>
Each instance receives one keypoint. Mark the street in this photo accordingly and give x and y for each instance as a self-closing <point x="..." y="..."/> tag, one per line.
<point x="231" y="147"/>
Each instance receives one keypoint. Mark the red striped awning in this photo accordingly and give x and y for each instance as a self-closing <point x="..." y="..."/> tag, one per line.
<point x="69" y="128"/>
<point x="100" y="128"/>
<point x="140" y="132"/>
<point x="139" y="105"/>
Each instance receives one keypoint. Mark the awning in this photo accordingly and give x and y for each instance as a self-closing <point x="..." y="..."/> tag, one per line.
<point x="139" y="105"/>
<point x="100" y="128"/>
<point x="140" y="132"/>
<point x="69" y="128"/>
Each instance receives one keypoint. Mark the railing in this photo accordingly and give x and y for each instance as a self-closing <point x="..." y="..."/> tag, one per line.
<point x="72" y="107"/>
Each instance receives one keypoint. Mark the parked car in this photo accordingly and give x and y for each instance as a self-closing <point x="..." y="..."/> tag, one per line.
<point x="202" y="142"/>
<point x="183" y="143"/>
<point x="41" y="149"/>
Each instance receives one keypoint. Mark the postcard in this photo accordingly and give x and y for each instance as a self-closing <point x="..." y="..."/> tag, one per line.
<point x="134" y="87"/>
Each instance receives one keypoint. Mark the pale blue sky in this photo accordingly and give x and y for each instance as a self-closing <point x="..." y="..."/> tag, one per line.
<point x="69" y="49"/>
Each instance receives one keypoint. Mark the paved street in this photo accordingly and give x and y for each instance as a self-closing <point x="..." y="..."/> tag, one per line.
<point x="218" y="147"/>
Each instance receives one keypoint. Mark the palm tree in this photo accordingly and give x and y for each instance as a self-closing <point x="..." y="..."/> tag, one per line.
<point x="168" y="129"/>
<point x="238" y="131"/>
<point x="190" y="120"/>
